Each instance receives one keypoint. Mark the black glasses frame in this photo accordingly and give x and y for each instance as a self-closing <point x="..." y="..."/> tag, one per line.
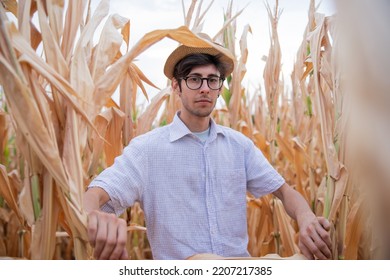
<point x="221" y="80"/>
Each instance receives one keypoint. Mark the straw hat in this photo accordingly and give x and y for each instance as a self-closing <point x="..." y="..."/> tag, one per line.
<point x="215" y="49"/>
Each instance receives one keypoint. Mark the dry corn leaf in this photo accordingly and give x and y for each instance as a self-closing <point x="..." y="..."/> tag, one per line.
<point x="55" y="10"/>
<point x="140" y="77"/>
<point x="198" y="21"/>
<point x="29" y="121"/>
<point x="14" y="242"/>
<point x="57" y="81"/>
<point x="285" y="147"/>
<point x="229" y="20"/>
<point x="271" y="77"/>
<point x="128" y="95"/>
<point x="108" y="46"/>
<point x="44" y="230"/>
<point x="8" y="192"/>
<point x="190" y="11"/>
<point x="342" y="226"/>
<point x="134" y="227"/>
<point x="73" y="20"/>
<point x="173" y="105"/>
<point x="50" y="43"/>
<point x="3" y="249"/>
<point x="236" y="90"/>
<point x="114" y="147"/>
<point x="33" y="127"/>
<point x="25" y="203"/>
<point x="355" y="226"/>
<point x="300" y="156"/>
<point x="10" y="6"/>
<point x="323" y="107"/>
<point x="261" y="143"/>
<point x="101" y="124"/>
<point x="145" y="121"/>
<point x="285" y="229"/>
<point x="340" y="191"/>
<point x="71" y="159"/>
<point x="3" y="134"/>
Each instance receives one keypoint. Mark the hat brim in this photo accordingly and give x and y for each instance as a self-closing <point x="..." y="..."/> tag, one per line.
<point x="182" y="51"/>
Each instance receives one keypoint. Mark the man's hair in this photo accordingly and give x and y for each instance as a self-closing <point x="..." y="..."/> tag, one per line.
<point x="185" y="65"/>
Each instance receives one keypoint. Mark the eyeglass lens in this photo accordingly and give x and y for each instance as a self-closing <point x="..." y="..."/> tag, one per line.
<point x="194" y="82"/>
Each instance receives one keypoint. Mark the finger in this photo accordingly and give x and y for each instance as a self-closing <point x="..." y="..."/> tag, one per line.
<point x="318" y="247"/>
<point x="324" y="242"/>
<point x="101" y="237"/>
<point x="121" y="238"/>
<point x="111" y="239"/>
<point x="92" y="229"/>
<point x="305" y="251"/>
<point x="312" y="241"/>
<point x="323" y="229"/>
<point x="324" y="223"/>
<point x="315" y="250"/>
<point x="124" y="255"/>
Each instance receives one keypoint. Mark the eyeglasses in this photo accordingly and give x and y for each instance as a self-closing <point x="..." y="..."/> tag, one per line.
<point x="195" y="82"/>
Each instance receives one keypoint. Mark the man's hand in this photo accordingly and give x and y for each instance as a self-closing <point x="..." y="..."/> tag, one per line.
<point x="106" y="232"/>
<point x="108" y="235"/>
<point x="314" y="237"/>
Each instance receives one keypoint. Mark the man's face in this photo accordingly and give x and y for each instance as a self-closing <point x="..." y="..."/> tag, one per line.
<point x="198" y="102"/>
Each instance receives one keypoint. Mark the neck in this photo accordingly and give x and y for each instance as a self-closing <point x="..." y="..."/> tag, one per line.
<point x="194" y="123"/>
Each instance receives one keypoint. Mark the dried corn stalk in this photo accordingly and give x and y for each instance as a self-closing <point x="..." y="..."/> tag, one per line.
<point x="54" y="101"/>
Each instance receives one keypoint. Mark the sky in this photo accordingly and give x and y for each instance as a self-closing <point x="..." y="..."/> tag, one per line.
<point x="149" y="15"/>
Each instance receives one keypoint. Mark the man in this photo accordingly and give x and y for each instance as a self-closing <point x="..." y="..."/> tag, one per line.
<point x="191" y="177"/>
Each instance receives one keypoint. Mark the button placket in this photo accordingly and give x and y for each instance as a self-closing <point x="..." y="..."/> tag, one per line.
<point x="211" y="210"/>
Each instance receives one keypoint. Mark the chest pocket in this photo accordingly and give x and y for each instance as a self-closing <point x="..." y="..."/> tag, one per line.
<point x="231" y="185"/>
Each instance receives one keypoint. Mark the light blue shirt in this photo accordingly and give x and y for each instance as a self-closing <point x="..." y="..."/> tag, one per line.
<point x="193" y="194"/>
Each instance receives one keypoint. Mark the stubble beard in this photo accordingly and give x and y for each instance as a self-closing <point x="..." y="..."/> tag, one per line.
<point x="202" y="112"/>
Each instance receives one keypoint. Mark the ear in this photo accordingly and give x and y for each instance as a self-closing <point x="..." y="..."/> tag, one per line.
<point x="175" y="86"/>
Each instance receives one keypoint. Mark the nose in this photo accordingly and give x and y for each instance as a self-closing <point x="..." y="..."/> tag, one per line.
<point x="204" y="87"/>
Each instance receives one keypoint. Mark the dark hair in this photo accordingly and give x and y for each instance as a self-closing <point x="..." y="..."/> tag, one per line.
<point x="186" y="64"/>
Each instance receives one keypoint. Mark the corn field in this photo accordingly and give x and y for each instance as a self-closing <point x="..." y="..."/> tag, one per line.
<point x="60" y="125"/>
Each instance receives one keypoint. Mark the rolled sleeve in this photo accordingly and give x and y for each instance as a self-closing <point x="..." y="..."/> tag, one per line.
<point x="262" y="178"/>
<point x="123" y="181"/>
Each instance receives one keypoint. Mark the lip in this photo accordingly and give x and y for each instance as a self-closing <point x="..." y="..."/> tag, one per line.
<point x="203" y="101"/>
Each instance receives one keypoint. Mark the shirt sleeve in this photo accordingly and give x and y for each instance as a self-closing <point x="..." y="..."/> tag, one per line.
<point x="262" y="178"/>
<point x="123" y="181"/>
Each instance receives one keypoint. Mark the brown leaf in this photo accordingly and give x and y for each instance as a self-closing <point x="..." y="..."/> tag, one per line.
<point x="285" y="229"/>
<point x="340" y="190"/>
<point x="108" y="46"/>
<point x="9" y="192"/>
<point x="44" y="231"/>
<point x="145" y="121"/>
<point x="114" y="147"/>
<point x="3" y="134"/>
<point x="10" y="6"/>
<point x="322" y="102"/>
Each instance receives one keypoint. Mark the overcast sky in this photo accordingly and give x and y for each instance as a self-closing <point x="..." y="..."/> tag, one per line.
<point x="148" y="15"/>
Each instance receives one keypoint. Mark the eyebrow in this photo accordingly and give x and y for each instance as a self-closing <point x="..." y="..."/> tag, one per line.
<point x="199" y="75"/>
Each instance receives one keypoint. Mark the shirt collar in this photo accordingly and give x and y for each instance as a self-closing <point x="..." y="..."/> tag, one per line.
<point x="178" y="129"/>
